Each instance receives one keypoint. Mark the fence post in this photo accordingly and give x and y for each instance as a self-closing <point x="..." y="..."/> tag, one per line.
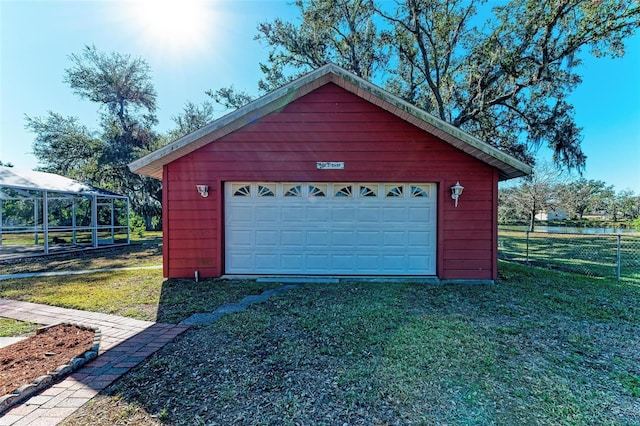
<point x="527" y="254"/>
<point x="619" y="257"/>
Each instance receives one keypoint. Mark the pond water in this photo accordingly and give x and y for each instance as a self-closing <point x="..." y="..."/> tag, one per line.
<point x="572" y="230"/>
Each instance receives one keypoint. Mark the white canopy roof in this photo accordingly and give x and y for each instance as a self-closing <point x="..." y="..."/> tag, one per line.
<point x="40" y="181"/>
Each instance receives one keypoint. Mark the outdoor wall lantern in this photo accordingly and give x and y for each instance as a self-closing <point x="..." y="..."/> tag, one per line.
<point x="203" y="190"/>
<point x="456" y="192"/>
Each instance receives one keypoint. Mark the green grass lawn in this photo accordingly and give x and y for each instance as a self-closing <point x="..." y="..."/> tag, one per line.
<point x="140" y="294"/>
<point x="146" y="251"/>
<point x="12" y="328"/>
<point x="588" y="254"/>
<point x="539" y="347"/>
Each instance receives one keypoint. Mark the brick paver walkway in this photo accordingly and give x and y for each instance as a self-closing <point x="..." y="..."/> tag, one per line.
<point x="125" y="342"/>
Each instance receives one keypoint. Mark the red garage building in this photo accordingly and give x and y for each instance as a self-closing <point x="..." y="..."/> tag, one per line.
<point x="330" y="175"/>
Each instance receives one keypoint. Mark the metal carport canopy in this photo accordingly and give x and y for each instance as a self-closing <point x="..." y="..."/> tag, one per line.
<point x="29" y="180"/>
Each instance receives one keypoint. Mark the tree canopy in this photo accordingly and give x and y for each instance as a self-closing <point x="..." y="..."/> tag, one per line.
<point x="192" y="118"/>
<point x="502" y="73"/>
<point x="549" y="190"/>
<point x="121" y="87"/>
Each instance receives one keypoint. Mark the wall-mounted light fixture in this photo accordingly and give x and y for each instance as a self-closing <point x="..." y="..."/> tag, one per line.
<point x="456" y="192"/>
<point x="203" y="190"/>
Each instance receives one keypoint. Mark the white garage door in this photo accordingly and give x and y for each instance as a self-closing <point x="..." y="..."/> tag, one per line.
<point x="330" y="228"/>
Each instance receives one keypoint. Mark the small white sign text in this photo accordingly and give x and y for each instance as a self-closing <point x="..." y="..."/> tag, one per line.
<point x="335" y="165"/>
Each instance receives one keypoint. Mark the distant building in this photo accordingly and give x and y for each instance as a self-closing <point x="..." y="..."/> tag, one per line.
<point x="553" y="214"/>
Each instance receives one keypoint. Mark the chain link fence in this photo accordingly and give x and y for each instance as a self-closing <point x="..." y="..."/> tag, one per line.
<point x="599" y="255"/>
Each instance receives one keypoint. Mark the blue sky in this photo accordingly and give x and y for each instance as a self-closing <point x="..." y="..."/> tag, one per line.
<point x="216" y="49"/>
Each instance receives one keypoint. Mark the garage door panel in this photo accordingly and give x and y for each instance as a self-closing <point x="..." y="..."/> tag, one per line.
<point x="318" y="214"/>
<point x="342" y="239"/>
<point x="418" y="238"/>
<point x="266" y="238"/>
<point x="365" y="214"/>
<point x="318" y="238"/>
<point x="342" y="262"/>
<point x="318" y="263"/>
<point x="393" y="263"/>
<point x="343" y="215"/>
<point x="418" y="262"/>
<point x="241" y="214"/>
<point x="395" y="214"/>
<point x="240" y="262"/>
<point x="394" y="239"/>
<point x="240" y="238"/>
<point x="368" y="263"/>
<point x="328" y="234"/>
<point x="291" y="261"/>
<point x="419" y="214"/>
<point x="293" y="214"/>
<point x="266" y="214"/>
<point x="369" y="239"/>
<point x="292" y="239"/>
<point x="267" y="262"/>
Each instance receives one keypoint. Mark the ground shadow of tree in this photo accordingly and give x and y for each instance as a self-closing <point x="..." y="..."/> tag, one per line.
<point x="145" y="252"/>
<point x="181" y="298"/>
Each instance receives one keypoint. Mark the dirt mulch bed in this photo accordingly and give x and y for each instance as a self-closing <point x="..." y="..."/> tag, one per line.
<point x="25" y="361"/>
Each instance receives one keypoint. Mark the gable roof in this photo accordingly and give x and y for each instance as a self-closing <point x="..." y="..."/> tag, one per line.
<point x="152" y="164"/>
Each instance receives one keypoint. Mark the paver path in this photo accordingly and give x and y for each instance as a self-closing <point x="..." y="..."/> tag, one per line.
<point x="125" y="342"/>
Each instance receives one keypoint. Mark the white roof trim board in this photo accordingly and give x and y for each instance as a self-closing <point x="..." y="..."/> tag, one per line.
<point x="50" y="182"/>
<point x="151" y="165"/>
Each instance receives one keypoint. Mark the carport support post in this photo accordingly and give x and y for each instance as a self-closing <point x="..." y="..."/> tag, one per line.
<point x="94" y="220"/>
<point x="73" y="220"/>
<point x="35" y="221"/>
<point x="45" y="220"/>
<point x="113" y="222"/>
<point x="128" y="230"/>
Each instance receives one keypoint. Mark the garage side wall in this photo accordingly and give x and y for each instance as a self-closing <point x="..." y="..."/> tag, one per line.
<point x="330" y="124"/>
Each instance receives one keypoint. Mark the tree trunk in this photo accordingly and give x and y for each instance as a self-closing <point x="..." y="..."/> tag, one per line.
<point x="148" y="224"/>
<point x="532" y="214"/>
<point x="532" y="220"/>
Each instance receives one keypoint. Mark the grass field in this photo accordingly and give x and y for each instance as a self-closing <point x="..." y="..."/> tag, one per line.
<point x="589" y="254"/>
<point x="146" y="251"/>
<point x="83" y="236"/>
<point x="539" y="347"/>
<point x="12" y="328"/>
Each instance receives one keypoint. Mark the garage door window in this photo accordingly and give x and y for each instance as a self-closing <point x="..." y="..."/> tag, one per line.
<point x="345" y="191"/>
<point x="292" y="191"/>
<point x="267" y="190"/>
<point x="418" y="191"/>
<point x="241" y="190"/>
<point x="394" y="190"/>
<point x="368" y="191"/>
<point x="318" y="191"/>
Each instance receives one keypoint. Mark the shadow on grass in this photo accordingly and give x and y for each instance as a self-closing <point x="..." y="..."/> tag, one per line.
<point x="146" y="252"/>
<point x="366" y="353"/>
<point x="181" y="298"/>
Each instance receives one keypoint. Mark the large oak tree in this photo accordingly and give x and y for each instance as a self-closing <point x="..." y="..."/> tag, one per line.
<point x="502" y="71"/>
<point x="121" y="88"/>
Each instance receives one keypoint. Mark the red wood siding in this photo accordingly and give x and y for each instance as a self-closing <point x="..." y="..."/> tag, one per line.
<point x="330" y="124"/>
